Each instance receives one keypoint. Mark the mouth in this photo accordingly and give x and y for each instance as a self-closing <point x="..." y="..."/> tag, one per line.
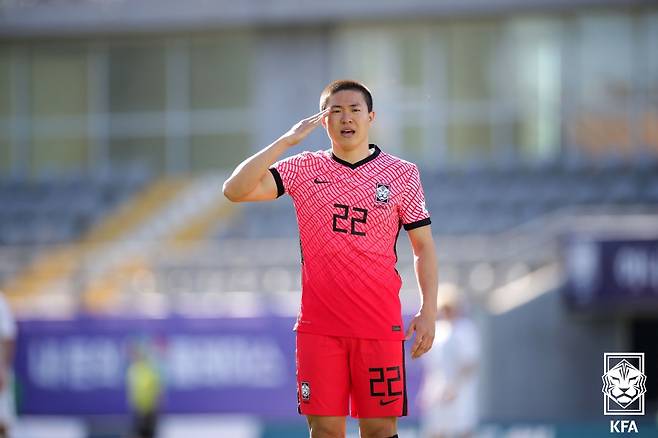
<point x="347" y="132"/>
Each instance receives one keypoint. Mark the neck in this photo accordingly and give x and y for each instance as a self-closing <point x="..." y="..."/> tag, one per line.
<point x="353" y="155"/>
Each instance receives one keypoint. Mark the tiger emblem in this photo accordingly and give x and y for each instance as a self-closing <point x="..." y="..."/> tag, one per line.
<point x="624" y="383"/>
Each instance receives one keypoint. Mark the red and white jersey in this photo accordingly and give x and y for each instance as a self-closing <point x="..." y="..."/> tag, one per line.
<point x="349" y="218"/>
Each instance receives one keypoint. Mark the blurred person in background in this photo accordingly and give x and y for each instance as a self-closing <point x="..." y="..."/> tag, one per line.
<point x="351" y="202"/>
<point x="448" y="396"/>
<point x="7" y="342"/>
<point x="144" y="392"/>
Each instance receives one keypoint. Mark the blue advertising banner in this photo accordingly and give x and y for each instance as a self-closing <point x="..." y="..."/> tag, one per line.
<point x="223" y="365"/>
<point x="611" y="274"/>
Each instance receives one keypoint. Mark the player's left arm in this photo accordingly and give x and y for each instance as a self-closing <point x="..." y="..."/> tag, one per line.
<point x="425" y="266"/>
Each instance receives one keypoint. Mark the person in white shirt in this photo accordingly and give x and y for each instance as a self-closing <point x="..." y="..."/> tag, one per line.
<point x="7" y="340"/>
<point x="448" y="396"/>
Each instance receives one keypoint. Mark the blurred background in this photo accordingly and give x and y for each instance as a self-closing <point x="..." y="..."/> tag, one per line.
<point x="534" y="123"/>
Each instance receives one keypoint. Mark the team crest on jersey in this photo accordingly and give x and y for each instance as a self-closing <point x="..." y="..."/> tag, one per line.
<point x="382" y="194"/>
<point x="306" y="391"/>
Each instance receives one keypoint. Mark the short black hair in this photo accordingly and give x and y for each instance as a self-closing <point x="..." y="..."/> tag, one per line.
<point x="345" y="84"/>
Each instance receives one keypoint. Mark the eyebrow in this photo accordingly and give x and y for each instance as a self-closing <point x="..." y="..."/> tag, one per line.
<point x="339" y="106"/>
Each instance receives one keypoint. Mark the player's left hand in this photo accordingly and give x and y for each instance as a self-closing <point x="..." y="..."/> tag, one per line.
<point x="424" y="326"/>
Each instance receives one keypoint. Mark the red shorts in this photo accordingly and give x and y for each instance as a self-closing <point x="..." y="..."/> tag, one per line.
<point x="338" y="376"/>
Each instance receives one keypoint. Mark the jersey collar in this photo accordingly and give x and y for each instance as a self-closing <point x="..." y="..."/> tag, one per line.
<point x="361" y="162"/>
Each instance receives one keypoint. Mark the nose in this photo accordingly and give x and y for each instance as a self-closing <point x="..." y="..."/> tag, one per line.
<point x="345" y="117"/>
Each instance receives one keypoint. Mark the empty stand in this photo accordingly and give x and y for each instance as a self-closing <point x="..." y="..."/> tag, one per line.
<point x="53" y="210"/>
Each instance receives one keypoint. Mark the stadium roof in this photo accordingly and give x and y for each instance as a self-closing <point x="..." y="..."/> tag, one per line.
<point x="24" y="18"/>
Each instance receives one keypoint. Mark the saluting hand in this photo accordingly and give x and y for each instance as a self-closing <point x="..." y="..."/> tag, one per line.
<point x="303" y="128"/>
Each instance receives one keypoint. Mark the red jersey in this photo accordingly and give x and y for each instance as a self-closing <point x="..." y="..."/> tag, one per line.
<point x="349" y="218"/>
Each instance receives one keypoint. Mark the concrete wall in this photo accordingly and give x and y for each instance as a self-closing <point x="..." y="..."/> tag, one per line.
<point x="543" y="363"/>
<point x="292" y="69"/>
<point x="23" y="17"/>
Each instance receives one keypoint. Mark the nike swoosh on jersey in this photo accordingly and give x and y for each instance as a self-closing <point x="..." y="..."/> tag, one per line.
<point x="319" y="181"/>
<point x="387" y="402"/>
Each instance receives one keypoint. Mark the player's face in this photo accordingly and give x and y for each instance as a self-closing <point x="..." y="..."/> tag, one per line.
<point x="348" y="121"/>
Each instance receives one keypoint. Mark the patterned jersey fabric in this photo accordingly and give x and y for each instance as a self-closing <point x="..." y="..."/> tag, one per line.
<point x="349" y="218"/>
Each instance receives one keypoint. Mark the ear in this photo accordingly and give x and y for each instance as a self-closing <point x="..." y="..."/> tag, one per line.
<point x="323" y="122"/>
<point x="371" y="116"/>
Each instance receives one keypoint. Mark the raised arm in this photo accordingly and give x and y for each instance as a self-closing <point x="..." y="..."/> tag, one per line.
<point x="251" y="180"/>
<point x="425" y="265"/>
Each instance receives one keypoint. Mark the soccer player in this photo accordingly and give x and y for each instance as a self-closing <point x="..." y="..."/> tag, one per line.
<point x="448" y="396"/>
<point x="351" y="202"/>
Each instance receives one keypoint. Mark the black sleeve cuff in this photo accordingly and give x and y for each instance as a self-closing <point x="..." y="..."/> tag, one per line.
<point x="279" y="182"/>
<point x="417" y="224"/>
